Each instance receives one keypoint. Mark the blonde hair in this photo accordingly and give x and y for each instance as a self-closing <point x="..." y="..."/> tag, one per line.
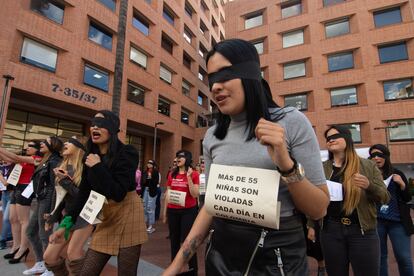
<point x="352" y="192"/>
<point x="76" y="160"/>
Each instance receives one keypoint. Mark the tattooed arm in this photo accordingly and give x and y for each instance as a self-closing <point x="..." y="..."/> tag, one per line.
<point x="194" y="239"/>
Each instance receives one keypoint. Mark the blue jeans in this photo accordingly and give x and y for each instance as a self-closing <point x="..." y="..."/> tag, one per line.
<point x="401" y="245"/>
<point x="149" y="207"/>
<point x="6" y="226"/>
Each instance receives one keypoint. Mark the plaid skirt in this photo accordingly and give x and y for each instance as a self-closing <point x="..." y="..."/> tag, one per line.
<point x="123" y="225"/>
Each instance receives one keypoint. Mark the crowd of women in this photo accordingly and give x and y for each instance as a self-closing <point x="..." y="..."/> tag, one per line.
<point x="350" y="205"/>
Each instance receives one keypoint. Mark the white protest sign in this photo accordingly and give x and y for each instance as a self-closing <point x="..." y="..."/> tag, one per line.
<point x="92" y="207"/>
<point x="60" y="195"/>
<point x="335" y="190"/>
<point x="202" y="186"/>
<point x="244" y="194"/>
<point x="15" y="175"/>
<point x="28" y="191"/>
<point x="387" y="181"/>
<point x="176" y="197"/>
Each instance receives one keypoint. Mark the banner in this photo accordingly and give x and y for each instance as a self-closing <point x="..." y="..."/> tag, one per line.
<point x="244" y="194"/>
<point x="176" y="197"/>
<point x="15" y="175"/>
<point x="92" y="208"/>
<point x="28" y="191"/>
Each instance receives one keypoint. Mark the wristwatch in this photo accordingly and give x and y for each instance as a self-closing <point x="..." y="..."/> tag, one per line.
<point x="295" y="174"/>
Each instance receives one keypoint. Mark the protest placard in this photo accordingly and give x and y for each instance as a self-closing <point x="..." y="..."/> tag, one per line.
<point x="176" y="197"/>
<point x="14" y="176"/>
<point x="92" y="207"/>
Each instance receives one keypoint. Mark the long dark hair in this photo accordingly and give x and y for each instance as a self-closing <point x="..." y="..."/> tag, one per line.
<point x="387" y="169"/>
<point x="114" y="142"/>
<point x="258" y="97"/>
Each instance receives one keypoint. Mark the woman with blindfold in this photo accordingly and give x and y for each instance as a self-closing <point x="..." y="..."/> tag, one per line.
<point x="150" y="180"/>
<point x="182" y="179"/>
<point x="109" y="170"/>
<point x="19" y="205"/>
<point x="68" y="177"/>
<point x="44" y="189"/>
<point x="349" y="232"/>
<point x="394" y="218"/>
<point x="252" y="131"/>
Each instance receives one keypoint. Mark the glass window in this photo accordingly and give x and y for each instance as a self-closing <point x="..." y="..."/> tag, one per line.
<point x="138" y="57"/>
<point x="340" y="61"/>
<point x="167" y="44"/>
<point x="202" y="50"/>
<point x="141" y="24"/>
<point x="39" y="55"/>
<point x="168" y="15"/>
<point x="291" y="8"/>
<point x="50" y="9"/>
<point x="398" y="89"/>
<point x="253" y="21"/>
<point x="337" y="28"/>
<point x="185" y="116"/>
<point x="298" y="101"/>
<point x="294" y="70"/>
<point x="96" y="78"/>
<point x="344" y="96"/>
<point x="187" y="35"/>
<point x="404" y="130"/>
<point x="165" y="74"/>
<point x="292" y="38"/>
<point x="100" y="36"/>
<point x="202" y="74"/>
<point x="136" y="94"/>
<point x="203" y="28"/>
<point x="187" y="60"/>
<point x="393" y="52"/>
<point x="201" y="122"/>
<point x="331" y="2"/>
<point x="355" y="132"/>
<point x="186" y="88"/>
<point x="164" y="106"/>
<point x="111" y="4"/>
<point x="200" y="99"/>
<point x="387" y="17"/>
<point x="259" y="46"/>
<point x="188" y="9"/>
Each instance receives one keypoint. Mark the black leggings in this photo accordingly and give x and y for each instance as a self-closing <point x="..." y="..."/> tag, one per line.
<point x="128" y="259"/>
<point x="343" y="245"/>
<point x="180" y="222"/>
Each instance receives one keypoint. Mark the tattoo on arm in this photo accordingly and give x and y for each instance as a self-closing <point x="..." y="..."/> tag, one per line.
<point x="190" y="247"/>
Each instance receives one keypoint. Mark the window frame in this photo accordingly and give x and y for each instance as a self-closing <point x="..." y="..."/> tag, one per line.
<point x="335" y="2"/>
<point x="140" y="88"/>
<point x="296" y="96"/>
<point x="252" y="16"/>
<point x="293" y="32"/>
<point x="336" y="22"/>
<point x="112" y="8"/>
<point x="338" y="89"/>
<point x="102" y="30"/>
<point x="330" y="70"/>
<point x="143" y="66"/>
<point x="169" y="71"/>
<point x="393" y="81"/>
<point x="33" y="62"/>
<point x="398" y="123"/>
<point x="168" y="15"/>
<point x="186" y="112"/>
<point x="292" y="64"/>
<point x="54" y="3"/>
<point x="165" y="101"/>
<point x="359" y="132"/>
<point x="97" y="70"/>
<point x="380" y="47"/>
<point x="384" y="11"/>
<point x="142" y="21"/>
<point x="260" y="41"/>
<point x="289" y="5"/>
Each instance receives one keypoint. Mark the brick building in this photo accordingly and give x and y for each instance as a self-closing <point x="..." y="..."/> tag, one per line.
<point x="70" y="58"/>
<point x="340" y="62"/>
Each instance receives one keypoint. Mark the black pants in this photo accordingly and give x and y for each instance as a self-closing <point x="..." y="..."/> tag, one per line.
<point x="180" y="222"/>
<point x="342" y="245"/>
<point x="158" y="204"/>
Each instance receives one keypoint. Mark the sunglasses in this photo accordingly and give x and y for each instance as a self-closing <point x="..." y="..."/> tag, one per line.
<point x="31" y="146"/>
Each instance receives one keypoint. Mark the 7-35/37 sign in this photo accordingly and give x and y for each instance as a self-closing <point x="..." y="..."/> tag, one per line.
<point x="73" y="93"/>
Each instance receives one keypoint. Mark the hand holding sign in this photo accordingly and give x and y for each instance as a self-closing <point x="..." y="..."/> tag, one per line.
<point x="273" y="136"/>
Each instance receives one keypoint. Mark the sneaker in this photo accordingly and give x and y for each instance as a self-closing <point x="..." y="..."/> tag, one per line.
<point x="38" y="268"/>
<point x="150" y="230"/>
<point x="47" y="273"/>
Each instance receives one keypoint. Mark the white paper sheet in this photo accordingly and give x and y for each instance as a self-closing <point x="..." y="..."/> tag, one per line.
<point x="60" y="195"/>
<point x="176" y="197"/>
<point x="335" y="190"/>
<point x="387" y="181"/>
<point x="92" y="207"/>
<point x="28" y="191"/>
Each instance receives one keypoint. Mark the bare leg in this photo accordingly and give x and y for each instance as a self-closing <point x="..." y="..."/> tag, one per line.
<point x="54" y="251"/>
<point x="77" y="241"/>
<point x="23" y="213"/>
<point x="16" y="227"/>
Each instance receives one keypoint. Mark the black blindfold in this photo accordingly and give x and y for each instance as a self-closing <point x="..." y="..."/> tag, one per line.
<point x="104" y="123"/>
<point x="246" y="70"/>
<point x="337" y="136"/>
<point x="77" y="144"/>
<point x="377" y="154"/>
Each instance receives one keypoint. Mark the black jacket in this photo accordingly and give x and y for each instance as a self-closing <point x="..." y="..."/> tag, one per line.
<point x="114" y="181"/>
<point x="150" y="183"/>
<point x="404" y="196"/>
<point x="44" y="177"/>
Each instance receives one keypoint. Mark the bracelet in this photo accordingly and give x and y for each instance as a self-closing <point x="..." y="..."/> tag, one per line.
<point x="67" y="224"/>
